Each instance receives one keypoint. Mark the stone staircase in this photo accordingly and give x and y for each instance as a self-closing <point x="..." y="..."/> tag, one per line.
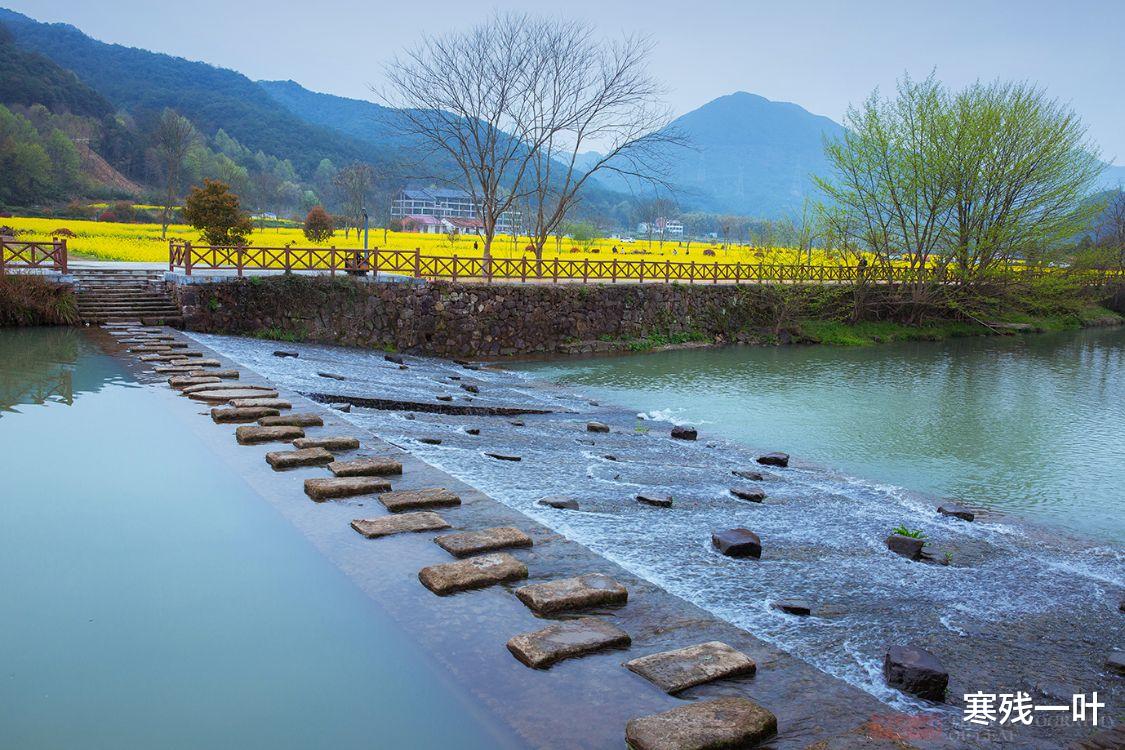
<point x="109" y="295"/>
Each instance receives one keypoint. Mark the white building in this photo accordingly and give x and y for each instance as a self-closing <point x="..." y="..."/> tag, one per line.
<point x="663" y="227"/>
<point x="411" y="205"/>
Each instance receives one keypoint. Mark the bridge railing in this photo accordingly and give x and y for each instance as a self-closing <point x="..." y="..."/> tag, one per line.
<point x="188" y="258"/>
<point x="35" y="254"/>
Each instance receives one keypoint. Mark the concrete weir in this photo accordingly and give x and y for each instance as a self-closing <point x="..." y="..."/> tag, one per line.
<point x="589" y="699"/>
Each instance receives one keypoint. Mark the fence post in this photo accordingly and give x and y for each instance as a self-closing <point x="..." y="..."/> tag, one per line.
<point x="641" y="277"/>
<point x="171" y="255"/>
<point x="417" y="263"/>
<point x="187" y="257"/>
<point x="585" y="270"/>
<point x="455" y="266"/>
<point x="523" y="268"/>
<point x="288" y="263"/>
<point x="715" y="272"/>
<point x="613" y="272"/>
<point x="691" y="273"/>
<point x="332" y="260"/>
<point x="241" y="261"/>
<point x="61" y="257"/>
<point x="556" y="276"/>
<point x="375" y="266"/>
<point x="667" y="271"/>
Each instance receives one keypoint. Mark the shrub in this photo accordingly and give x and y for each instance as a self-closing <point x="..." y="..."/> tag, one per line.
<point x="63" y="232"/>
<point x="214" y="210"/>
<point x="912" y="533"/>
<point x="318" y="225"/>
<point x="30" y="300"/>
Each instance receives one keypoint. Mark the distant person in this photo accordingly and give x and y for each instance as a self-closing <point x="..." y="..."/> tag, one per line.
<point x="615" y="248"/>
<point x="475" y="246"/>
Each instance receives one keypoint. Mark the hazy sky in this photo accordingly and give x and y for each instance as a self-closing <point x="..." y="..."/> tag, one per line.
<point x="821" y="55"/>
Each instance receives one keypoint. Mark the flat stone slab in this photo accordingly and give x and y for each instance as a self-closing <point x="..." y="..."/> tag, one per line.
<point x="305" y="419"/>
<point x="376" y="466"/>
<point x="173" y="369"/>
<point x="558" y="502"/>
<point x="703" y="725"/>
<point x="597" y="427"/>
<point x="473" y="573"/>
<point x="737" y="543"/>
<point x="183" y="381"/>
<point x="243" y="414"/>
<point x="149" y="349"/>
<point x="188" y="390"/>
<point x="432" y="497"/>
<point x="567" y="640"/>
<point x="301" y="457"/>
<point x="251" y="434"/>
<point x="327" y="488"/>
<point x="262" y="400"/>
<point x="331" y="442"/>
<point x="224" y="374"/>
<point x="754" y="496"/>
<point x="230" y="394"/>
<point x="486" y="540"/>
<point x="198" y="362"/>
<point x="658" y="502"/>
<point x="590" y="590"/>
<point x="422" y="520"/>
<point x="188" y="353"/>
<point x="673" y="671"/>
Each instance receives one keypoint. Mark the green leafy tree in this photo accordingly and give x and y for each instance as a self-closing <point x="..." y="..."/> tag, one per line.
<point x="318" y="225"/>
<point x="214" y="210"/>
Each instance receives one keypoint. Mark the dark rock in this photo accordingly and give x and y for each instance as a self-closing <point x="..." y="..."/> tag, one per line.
<point x="659" y="502"/>
<point x="906" y="546"/>
<point x="753" y="476"/>
<point x="958" y="511"/>
<point x="913" y="669"/>
<point x="754" y="496"/>
<point x="516" y="423"/>
<point x="403" y="367"/>
<point x="409" y="416"/>
<point x="470" y="388"/>
<point x="774" y="459"/>
<point x="454" y="377"/>
<point x="472" y="430"/>
<point x="344" y="407"/>
<point x="1116" y="661"/>
<point x="737" y="543"/>
<point x="444" y="398"/>
<point x="331" y="376"/>
<point x="559" y="502"/>
<point x="597" y="427"/>
<point x="430" y="441"/>
<point x="286" y="354"/>
<point x="394" y="358"/>
<point x="610" y="457"/>
<point x="504" y="457"/>
<point x="684" y="432"/>
<point x="461" y="362"/>
<point x="793" y="606"/>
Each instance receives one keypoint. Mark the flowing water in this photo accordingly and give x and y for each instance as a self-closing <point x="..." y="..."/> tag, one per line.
<point x="152" y="599"/>
<point x="1029" y="427"/>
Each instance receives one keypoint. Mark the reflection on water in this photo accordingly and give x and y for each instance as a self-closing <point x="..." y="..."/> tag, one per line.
<point x="152" y="600"/>
<point x="1030" y="425"/>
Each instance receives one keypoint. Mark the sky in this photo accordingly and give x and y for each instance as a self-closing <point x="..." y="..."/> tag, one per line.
<point x="822" y="55"/>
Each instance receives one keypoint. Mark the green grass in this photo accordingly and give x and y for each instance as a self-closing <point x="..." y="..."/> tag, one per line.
<point x="277" y="334"/>
<point x="656" y="340"/>
<point x="912" y="533"/>
<point x="881" y="332"/>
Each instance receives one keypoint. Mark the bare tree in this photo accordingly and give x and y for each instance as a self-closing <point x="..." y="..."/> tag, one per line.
<point x="354" y="182"/>
<point x="171" y="139"/>
<point x="1111" y="227"/>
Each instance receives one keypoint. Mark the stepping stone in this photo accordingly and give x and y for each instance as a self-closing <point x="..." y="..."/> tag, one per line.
<point x="241" y="386"/>
<point x="331" y="376"/>
<point x="327" y="488"/>
<point x="230" y="394"/>
<point x="189" y="353"/>
<point x="433" y="497"/>
<point x="659" y="502"/>
<point x="503" y="457"/>
<point x="251" y="435"/>
<point x="149" y="349"/>
<point x="590" y="590"/>
<point x="183" y="381"/>
<point x="674" y="671"/>
<point x="559" y="502"/>
<point x="473" y="573"/>
<point x="424" y="520"/>
<point x="567" y="640"/>
<point x="737" y="543"/>
<point x="485" y="540"/>
<point x="597" y="427"/>
<point x="331" y="442"/>
<point x="753" y="476"/>
<point x="197" y="362"/>
<point x="225" y="374"/>
<point x="377" y="466"/>
<point x="957" y="511"/>
<point x="703" y="725"/>
<point x="684" y="432"/>
<point x="754" y="496"/>
<point x="173" y="369"/>
<point x="171" y="342"/>
<point x="261" y="400"/>
<point x="159" y="357"/>
<point x="243" y="414"/>
<point x="296" y="420"/>
<point x="913" y="669"/>
<point x="301" y="457"/>
<point x="774" y="459"/>
<point x="793" y="606"/>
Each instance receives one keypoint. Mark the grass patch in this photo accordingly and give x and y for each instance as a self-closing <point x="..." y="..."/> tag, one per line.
<point x="31" y="300"/>
<point x="657" y="340"/>
<point x="275" y="333"/>
<point x="867" y="333"/>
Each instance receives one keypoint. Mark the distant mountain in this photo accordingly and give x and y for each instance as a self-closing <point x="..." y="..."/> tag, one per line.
<point x="1113" y="178"/>
<point x="362" y="120"/>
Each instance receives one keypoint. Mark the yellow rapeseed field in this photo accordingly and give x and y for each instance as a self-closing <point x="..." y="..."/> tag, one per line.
<point x="142" y="242"/>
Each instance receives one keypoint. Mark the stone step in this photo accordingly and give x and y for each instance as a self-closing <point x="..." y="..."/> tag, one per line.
<point x="233" y="394"/>
<point x="473" y="573"/>
<point x="704" y="725"/>
<point x="567" y="640"/>
<point x="328" y="488"/>
<point x="243" y="414"/>
<point x="376" y="466"/>
<point x="400" y="523"/>
<point x="252" y="434"/>
<point x="224" y="374"/>
<point x="196" y="388"/>
<point x="580" y="592"/>
<point x="301" y="457"/>
<point x="296" y="420"/>
<point x="431" y="497"/>
<point x="330" y="442"/>
<point x="184" y="381"/>
<point x="486" y="540"/>
<point x="263" y="400"/>
<point x="682" y="668"/>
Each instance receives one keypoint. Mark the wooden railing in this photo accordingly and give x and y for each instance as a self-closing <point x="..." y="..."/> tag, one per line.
<point x="35" y="254"/>
<point x="189" y="257"/>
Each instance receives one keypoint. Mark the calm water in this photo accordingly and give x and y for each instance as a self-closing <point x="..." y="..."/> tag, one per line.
<point x="1029" y="425"/>
<point x="151" y="599"/>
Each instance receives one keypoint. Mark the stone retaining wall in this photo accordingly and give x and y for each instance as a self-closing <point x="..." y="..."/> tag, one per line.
<point x="475" y="320"/>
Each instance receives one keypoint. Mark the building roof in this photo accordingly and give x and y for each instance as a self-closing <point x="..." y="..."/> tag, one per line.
<point x="433" y="194"/>
<point x="421" y="219"/>
<point x="462" y="223"/>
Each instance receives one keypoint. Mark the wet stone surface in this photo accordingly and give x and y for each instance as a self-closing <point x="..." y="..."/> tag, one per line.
<point x="327" y="488"/>
<point x="377" y="466"/>
<point x="198" y="387"/>
<point x="915" y="670"/>
<point x="485" y="540"/>
<point x="705" y="725"/>
<point x="242" y="414"/>
<point x="262" y="400"/>
<point x="302" y="457"/>
<point x="250" y="435"/>
<point x="224" y="374"/>
<point x="293" y="420"/>
<point x="472" y="573"/>
<point x="579" y="592"/>
<point x="400" y="523"/>
<point x="683" y="668"/>
<point x="331" y="442"/>
<point x="567" y="640"/>
<point x="230" y="395"/>
<point x="737" y="543"/>
<point x="431" y="497"/>
<point x="753" y="496"/>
